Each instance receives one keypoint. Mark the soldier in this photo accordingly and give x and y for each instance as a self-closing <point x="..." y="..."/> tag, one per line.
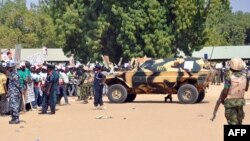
<point x="232" y="96"/>
<point x="51" y="86"/>
<point x="87" y="85"/>
<point x="14" y="92"/>
<point x="98" y="87"/>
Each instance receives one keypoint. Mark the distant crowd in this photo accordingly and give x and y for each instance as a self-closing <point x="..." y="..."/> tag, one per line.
<point x="218" y="71"/>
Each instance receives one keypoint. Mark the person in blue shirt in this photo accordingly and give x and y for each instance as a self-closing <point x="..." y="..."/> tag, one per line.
<point x="99" y="81"/>
<point x="51" y="86"/>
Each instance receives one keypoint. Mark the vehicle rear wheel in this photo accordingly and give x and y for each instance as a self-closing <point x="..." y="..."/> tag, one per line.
<point x="201" y="97"/>
<point x="188" y="94"/>
<point x="131" y="97"/>
<point x="117" y="93"/>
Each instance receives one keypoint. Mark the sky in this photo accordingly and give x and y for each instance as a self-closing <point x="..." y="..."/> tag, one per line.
<point x="28" y="2"/>
<point x="237" y="5"/>
<point x="240" y="5"/>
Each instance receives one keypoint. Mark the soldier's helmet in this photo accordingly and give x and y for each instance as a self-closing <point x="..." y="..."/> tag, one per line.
<point x="236" y="64"/>
<point x="11" y="64"/>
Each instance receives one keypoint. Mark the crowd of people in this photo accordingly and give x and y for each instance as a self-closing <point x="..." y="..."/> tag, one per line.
<point x="49" y="84"/>
<point x="218" y="72"/>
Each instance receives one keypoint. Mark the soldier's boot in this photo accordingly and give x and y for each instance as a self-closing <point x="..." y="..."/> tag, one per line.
<point x="14" y="121"/>
<point x="168" y="97"/>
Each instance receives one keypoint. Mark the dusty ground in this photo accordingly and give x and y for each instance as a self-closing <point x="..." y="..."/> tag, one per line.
<point x="146" y="119"/>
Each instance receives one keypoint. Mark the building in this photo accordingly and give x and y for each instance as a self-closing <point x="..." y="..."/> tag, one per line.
<point x="54" y="55"/>
<point x="223" y="53"/>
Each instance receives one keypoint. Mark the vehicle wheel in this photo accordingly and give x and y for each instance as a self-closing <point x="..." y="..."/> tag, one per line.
<point x="130" y="97"/>
<point x="187" y="94"/>
<point x="117" y="93"/>
<point x="200" y="97"/>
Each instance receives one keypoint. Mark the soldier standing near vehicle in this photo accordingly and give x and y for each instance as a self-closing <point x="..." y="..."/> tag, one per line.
<point x="87" y="85"/>
<point x="232" y="96"/>
<point x="98" y="87"/>
<point x="14" y="92"/>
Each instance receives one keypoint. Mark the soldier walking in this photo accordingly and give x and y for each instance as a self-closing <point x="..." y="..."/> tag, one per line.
<point x="232" y="96"/>
<point x="14" y="92"/>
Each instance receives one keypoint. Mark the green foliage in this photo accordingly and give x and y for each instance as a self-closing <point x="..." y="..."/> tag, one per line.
<point x="31" y="28"/>
<point x="8" y="37"/>
<point x="156" y="28"/>
<point x="235" y="27"/>
<point x="117" y="28"/>
<point x="227" y="28"/>
<point x="143" y="29"/>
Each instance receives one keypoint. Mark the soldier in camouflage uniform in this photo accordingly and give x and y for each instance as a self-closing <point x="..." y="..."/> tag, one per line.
<point x="87" y="86"/>
<point x="232" y="96"/>
<point x="14" y="92"/>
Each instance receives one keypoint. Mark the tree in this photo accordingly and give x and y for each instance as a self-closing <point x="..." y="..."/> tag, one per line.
<point x="233" y="28"/>
<point x="8" y="37"/>
<point x="219" y="10"/>
<point x="31" y="28"/>
<point x="156" y="28"/>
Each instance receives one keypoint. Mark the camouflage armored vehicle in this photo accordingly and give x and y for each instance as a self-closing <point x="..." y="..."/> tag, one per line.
<point x="185" y="77"/>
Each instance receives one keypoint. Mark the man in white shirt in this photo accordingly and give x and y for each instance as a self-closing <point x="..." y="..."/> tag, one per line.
<point x="63" y="83"/>
<point x="36" y="77"/>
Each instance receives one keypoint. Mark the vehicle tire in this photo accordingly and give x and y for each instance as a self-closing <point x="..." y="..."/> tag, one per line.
<point x="117" y="93"/>
<point x="187" y="94"/>
<point x="130" y="97"/>
<point x="200" y="97"/>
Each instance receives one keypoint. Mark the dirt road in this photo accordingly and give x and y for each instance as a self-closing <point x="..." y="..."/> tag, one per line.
<point x="146" y="119"/>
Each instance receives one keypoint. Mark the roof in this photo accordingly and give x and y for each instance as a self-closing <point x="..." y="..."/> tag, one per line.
<point x="54" y="54"/>
<point x="223" y="52"/>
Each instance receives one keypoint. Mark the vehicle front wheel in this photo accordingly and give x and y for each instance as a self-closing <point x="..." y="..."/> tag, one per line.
<point x="117" y="93"/>
<point x="188" y="94"/>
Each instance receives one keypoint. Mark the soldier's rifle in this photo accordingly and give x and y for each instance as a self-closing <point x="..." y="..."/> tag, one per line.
<point x="217" y="105"/>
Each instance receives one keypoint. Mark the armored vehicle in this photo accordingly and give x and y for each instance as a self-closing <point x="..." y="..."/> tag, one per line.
<point x="185" y="77"/>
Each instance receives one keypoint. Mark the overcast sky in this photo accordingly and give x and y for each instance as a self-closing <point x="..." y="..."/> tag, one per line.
<point x="237" y="5"/>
